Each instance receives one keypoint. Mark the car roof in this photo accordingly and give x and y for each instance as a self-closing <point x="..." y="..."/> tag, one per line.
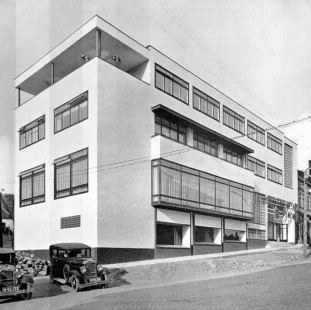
<point x="6" y="251"/>
<point x="69" y="245"/>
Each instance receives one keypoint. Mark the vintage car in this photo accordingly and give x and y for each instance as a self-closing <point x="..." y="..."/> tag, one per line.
<point x="71" y="263"/>
<point x="13" y="282"/>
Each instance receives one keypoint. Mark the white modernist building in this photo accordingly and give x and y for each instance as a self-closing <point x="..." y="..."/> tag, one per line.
<point x="124" y="149"/>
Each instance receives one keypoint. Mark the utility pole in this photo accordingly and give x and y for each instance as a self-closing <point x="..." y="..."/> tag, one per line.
<point x="307" y="174"/>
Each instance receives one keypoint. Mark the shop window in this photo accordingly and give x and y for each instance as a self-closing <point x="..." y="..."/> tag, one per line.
<point x="235" y="235"/>
<point x="206" y="234"/>
<point x="169" y="234"/>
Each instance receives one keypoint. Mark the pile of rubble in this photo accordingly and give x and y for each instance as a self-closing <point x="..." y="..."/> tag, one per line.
<point x="28" y="264"/>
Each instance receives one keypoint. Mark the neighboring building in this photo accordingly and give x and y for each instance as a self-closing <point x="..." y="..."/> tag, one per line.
<point x="7" y="209"/>
<point x="300" y="208"/>
<point x="126" y="150"/>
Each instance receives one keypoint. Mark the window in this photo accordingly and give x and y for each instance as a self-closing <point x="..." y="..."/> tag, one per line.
<point x="171" y="128"/>
<point x="70" y="221"/>
<point x="256" y="234"/>
<point x="169" y="234"/>
<point x="288" y="166"/>
<point x="233" y="120"/>
<point x="259" y="209"/>
<point x="32" y="133"/>
<point x="173" y="184"/>
<point x="235" y="235"/>
<point x="257" y="166"/>
<point x="205" y="104"/>
<point x="232" y="156"/>
<point x="274" y="143"/>
<point x="205" y="234"/>
<point x="205" y="143"/>
<point x="71" y="174"/>
<point x="171" y="84"/>
<point x="275" y="174"/>
<point x="32" y="186"/>
<point x="255" y="133"/>
<point x="71" y="113"/>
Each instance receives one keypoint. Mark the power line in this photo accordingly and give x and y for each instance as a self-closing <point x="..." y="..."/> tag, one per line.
<point x="205" y="48"/>
<point x="186" y="148"/>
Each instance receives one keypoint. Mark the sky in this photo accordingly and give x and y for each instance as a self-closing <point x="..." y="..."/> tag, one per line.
<point x="257" y="52"/>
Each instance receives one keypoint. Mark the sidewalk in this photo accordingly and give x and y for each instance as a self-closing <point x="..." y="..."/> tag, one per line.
<point x="160" y="272"/>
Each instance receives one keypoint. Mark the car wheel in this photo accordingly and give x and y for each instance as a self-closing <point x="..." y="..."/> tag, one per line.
<point x="106" y="284"/>
<point x="66" y="273"/>
<point x="51" y="276"/>
<point x="75" y="283"/>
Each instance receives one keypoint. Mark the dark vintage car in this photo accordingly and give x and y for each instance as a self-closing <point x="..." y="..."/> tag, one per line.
<point x="71" y="263"/>
<point x="13" y="282"/>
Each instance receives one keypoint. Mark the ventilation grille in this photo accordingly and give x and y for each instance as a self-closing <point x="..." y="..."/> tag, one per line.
<point x="70" y="221"/>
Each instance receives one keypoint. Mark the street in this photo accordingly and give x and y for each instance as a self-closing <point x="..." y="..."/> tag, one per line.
<point x="285" y="287"/>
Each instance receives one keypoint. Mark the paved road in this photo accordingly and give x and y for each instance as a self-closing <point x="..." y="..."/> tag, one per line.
<point x="286" y="287"/>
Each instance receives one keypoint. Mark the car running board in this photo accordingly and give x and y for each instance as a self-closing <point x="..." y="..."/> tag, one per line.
<point x="60" y="280"/>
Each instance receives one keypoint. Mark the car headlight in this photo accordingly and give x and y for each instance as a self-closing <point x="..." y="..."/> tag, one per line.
<point x="18" y="274"/>
<point x="83" y="269"/>
<point x="100" y="267"/>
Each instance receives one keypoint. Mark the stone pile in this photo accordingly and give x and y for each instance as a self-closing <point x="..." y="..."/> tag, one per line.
<point x="28" y="264"/>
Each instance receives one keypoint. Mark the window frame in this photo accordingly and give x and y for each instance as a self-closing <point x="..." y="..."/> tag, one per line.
<point x="277" y="141"/>
<point x="68" y="160"/>
<point x="235" y="116"/>
<point x="209" y="99"/>
<point x="234" y="154"/>
<point x="30" y="174"/>
<point x="257" y="163"/>
<point x="277" y="171"/>
<point x="71" y="104"/>
<point x="174" y="79"/>
<point x="258" y="131"/>
<point x="179" y="130"/>
<point x="211" y="144"/>
<point x="29" y="128"/>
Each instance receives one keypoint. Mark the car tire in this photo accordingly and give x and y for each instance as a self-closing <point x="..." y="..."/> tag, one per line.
<point x="66" y="273"/>
<point x="51" y="276"/>
<point x="74" y="283"/>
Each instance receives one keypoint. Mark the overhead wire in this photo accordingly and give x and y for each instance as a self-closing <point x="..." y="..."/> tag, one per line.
<point x="206" y="49"/>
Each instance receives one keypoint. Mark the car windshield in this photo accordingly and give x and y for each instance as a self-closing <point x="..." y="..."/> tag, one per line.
<point x="79" y="253"/>
<point x="7" y="258"/>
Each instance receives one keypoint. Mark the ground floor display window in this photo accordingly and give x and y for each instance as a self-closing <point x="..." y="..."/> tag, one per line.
<point x="172" y="228"/>
<point x="169" y="234"/>
<point x="207" y="229"/>
<point x="256" y="234"/>
<point x="277" y="232"/>
<point x="206" y="234"/>
<point x="235" y="231"/>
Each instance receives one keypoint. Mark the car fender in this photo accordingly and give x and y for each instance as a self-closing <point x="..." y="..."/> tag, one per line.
<point x="105" y="271"/>
<point x="76" y="273"/>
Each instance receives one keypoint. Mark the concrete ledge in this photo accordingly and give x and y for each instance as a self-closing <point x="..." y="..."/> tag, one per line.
<point x="193" y="258"/>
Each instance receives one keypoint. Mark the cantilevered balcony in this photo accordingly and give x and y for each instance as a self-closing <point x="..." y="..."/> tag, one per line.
<point x="96" y="38"/>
